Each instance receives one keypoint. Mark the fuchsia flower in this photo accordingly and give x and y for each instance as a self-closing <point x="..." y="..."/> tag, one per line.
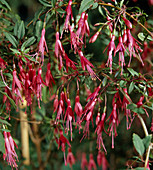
<point x="2" y="64"/>
<point x="28" y="90"/>
<point x="49" y="78"/>
<point x="78" y="108"/>
<point x="60" y="53"/>
<point x="59" y="106"/>
<point x="68" y="14"/>
<point x="99" y="129"/>
<point x="55" y="103"/>
<point x="83" y="27"/>
<point x="101" y="160"/>
<point x="75" y="40"/>
<point x="61" y="141"/>
<point x="121" y="49"/>
<point x="86" y="64"/>
<point x="92" y="163"/>
<point x="37" y="85"/>
<point x="94" y="37"/>
<point x="110" y="24"/>
<point x="133" y="46"/>
<point x="84" y="162"/>
<point x="113" y="122"/>
<point x="150" y="2"/>
<point x="16" y="88"/>
<point x="127" y="112"/>
<point x="10" y="153"/>
<point x="111" y="48"/>
<point x="124" y="37"/>
<point x="70" y="158"/>
<point x="70" y="115"/>
<point x="128" y="23"/>
<point x="42" y="46"/>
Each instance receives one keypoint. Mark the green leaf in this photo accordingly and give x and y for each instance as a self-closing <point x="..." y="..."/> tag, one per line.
<point x="2" y="143"/>
<point x="121" y="3"/>
<point x="133" y="72"/>
<point x="104" y="81"/>
<point x="131" y="106"/>
<point x="28" y="42"/>
<point x="45" y="3"/>
<point x="86" y="4"/>
<point x="148" y="107"/>
<point x="142" y="37"/>
<point x="6" y="4"/>
<point x="15" y="51"/>
<point x="139" y="110"/>
<point x="111" y="92"/>
<point x="5" y="122"/>
<point x="16" y="28"/>
<point x="138" y="144"/>
<point x="147" y="141"/>
<point x="38" y="29"/>
<point x="11" y="39"/>
<point x="122" y="83"/>
<point x="11" y="100"/>
<point x="101" y="11"/>
<point x="21" y="31"/>
<point x="131" y="87"/>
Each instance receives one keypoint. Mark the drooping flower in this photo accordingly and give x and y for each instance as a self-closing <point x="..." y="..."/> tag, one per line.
<point x="84" y="162"/>
<point x="99" y="129"/>
<point x="42" y="46"/>
<point x="75" y="40"/>
<point x="10" y="154"/>
<point x="61" y="107"/>
<point x="111" y="48"/>
<point x="92" y="163"/>
<point x="86" y="64"/>
<point x="2" y="64"/>
<point x="38" y="83"/>
<point x="121" y="49"/>
<point x="70" y="115"/>
<point x="102" y="161"/>
<point x="133" y="47"/>
<point x="83" y="27"/>
<point x="68" y="14"/>
<point x="62" y="141"/>
<point x="17" y="87"/>
<point x="113" y="122"/>
<point x="78" y="108"/>
<point x="127" y="112"/>
<point x="128" y="23"/>
<point x="60" y="54"/>
<point x="49" y="78"/>
<point x="70" y="158"/>
<point x="94" y="37"/>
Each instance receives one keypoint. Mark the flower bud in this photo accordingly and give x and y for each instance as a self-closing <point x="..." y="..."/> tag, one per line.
<point x="128" y="23"/>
